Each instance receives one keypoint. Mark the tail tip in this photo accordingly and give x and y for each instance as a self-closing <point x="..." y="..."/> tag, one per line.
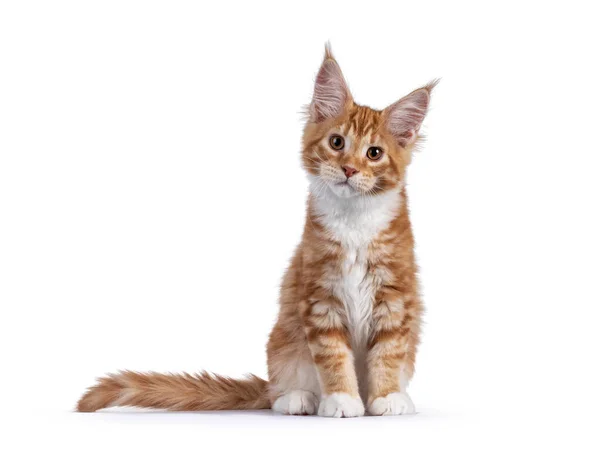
<point x="91" y="401"/>
<point x="103" y="395"/>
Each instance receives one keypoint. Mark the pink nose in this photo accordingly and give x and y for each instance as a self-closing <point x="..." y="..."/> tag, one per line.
<point x="349" y="171"/>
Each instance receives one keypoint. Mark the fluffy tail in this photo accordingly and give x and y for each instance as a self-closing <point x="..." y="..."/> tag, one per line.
<point x="176" y="392"/>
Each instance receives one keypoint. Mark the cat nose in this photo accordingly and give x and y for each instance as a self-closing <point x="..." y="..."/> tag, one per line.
<point x="349" y="171"/>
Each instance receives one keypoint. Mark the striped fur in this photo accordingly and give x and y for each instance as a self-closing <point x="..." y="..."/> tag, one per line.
<point x="350" y="312"/>
<point x="175" y="392"/>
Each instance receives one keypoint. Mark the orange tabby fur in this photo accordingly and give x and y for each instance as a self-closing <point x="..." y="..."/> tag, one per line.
<point x="350" y="310"/>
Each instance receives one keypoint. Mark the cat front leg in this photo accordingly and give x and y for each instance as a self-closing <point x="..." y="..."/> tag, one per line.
<point x="329" y="344"/>
<point x="391" y="352"/>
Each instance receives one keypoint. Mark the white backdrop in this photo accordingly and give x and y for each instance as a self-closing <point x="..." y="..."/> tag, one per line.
<point x="151" y="196"/>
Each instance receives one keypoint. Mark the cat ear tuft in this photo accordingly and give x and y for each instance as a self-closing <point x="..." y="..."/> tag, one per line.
<point x="404" y="118"/>
<point x="328" y="51"/>
<point x="331" y="92"/>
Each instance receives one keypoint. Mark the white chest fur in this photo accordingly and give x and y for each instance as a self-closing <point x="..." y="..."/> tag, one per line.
<point x="355" y="222"/>
<point x="356" y="288"/>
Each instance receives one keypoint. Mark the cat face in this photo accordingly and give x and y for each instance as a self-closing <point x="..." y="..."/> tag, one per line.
<point x="354" y="154"/>
<point x="354" y="150"/>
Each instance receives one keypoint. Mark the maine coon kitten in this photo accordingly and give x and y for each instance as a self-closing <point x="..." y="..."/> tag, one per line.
<point x="350" y="311"/>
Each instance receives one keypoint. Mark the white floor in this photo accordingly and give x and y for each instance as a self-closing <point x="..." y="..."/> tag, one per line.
<point x="118" y="429"/>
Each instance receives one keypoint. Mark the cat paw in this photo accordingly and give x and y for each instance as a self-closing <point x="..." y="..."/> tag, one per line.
<point x="392" y="404"/>
<point x="296" y="403"/>
<point x="340" y="404"/>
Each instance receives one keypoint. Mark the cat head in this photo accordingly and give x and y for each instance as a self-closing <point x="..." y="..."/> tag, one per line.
<point x="354" y="150"/>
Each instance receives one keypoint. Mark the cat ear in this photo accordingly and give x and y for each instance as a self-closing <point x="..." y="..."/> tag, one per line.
<point x="404" y="118"/>
<point x="331" y="92"/>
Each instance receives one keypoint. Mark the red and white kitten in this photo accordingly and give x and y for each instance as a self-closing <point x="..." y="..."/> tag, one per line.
<point x="350" y="311"/>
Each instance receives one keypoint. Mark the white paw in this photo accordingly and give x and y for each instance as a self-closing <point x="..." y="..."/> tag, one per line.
<point x="296" y="403"/>
<point x="341" y="405"/>
<point x="392" y="405"/>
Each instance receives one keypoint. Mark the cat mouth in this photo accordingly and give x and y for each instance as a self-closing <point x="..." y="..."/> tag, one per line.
<point x="345" y="184"/>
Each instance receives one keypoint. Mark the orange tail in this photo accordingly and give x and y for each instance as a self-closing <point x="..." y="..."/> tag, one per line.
<point x="176" y="392"/>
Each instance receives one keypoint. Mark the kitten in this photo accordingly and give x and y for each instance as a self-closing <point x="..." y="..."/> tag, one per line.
<point x="350" y="311"/>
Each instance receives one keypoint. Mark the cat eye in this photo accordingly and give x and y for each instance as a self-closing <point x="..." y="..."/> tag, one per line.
<point x="374" y="153"/>
<point x="336" y="142"/>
